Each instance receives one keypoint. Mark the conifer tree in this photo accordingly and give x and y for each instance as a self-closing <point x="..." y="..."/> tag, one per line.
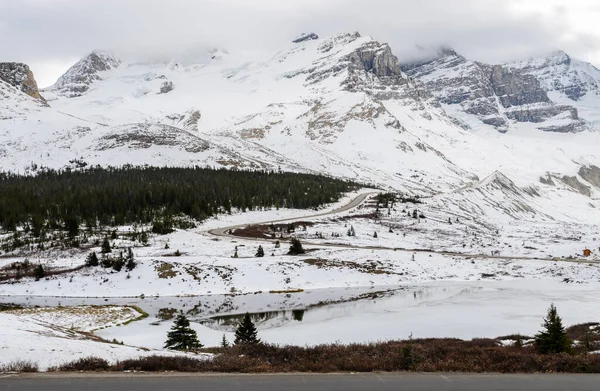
<point x="224" y="342"/>
<point x="246" y="333"/>
<point x="119" y="262"/>
<point x="260" y="252"/>
<point x="182" y="336"/>
<point x="375" y="234"/>
<point x="105" y="246"/>
<point x="130" y="263"/>
<point x="296" y="247"/>
<point x="39" y="271"/>
<point x="92" y="260"/>
<point x="553" y="338"/>
<point x="235" y="254"/>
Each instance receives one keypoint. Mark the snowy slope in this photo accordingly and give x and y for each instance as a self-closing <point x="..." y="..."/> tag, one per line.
<point x="341" y="105"/>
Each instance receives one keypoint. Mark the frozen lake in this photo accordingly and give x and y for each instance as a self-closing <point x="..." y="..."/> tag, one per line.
<point x="439" y="309"/>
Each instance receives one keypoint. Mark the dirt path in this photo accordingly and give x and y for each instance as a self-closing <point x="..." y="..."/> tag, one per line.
<point x="358" y="200"/>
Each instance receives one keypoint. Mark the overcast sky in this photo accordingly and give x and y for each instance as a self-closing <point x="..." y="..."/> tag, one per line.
<point x="50" y="35"/>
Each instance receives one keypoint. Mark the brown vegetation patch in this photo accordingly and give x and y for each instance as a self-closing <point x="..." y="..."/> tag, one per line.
<point x="17" y="270"/>
<point x="368" y="216"/>
<point x="426" y="355"/>
<point x="165" y="270"/>
<point x="369" y="267"/>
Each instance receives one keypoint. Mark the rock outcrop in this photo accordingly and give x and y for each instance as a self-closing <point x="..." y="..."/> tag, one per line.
<point x="20" y="76"/>
<point x="558" y="72"/>
<point x="591" y="174"/>
<point x="166" y="87"/>
<point x="78" y="79"/>
<point x="497" y="94"/>
<point x="306" y="37"/>
<point x="514" y="89"/>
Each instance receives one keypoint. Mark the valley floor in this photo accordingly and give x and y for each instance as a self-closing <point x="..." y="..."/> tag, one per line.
<point x="357" y="288"/>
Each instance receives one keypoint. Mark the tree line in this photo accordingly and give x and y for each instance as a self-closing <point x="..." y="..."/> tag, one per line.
<point x="65" y="199"/>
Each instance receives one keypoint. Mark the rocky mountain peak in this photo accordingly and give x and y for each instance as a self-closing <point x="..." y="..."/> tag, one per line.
<point x="338" y="41"/>
<point x="441" y="57"/>
<point x="77" y="80"/>
<point x="375" y="58"/>
<point x="20" y="76"/>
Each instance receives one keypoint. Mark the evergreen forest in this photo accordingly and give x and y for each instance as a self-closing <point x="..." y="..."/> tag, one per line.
<point x="66" y="199"/>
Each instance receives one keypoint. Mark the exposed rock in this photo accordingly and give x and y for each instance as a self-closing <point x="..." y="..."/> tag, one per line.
<point x="575" y="184"/>
<point x="497" y="122"/>
<point x="591" y="174"/>
<point x="306" y="37"/>
<point x="191" y="122"/>
<point x="187" y="121"/>
<point x="538" y="114"/>
<point x="166" y="87"/>
<point x="496" y="94"/>
<point x="547" y="181"/>
<point x="514" y="89"/>
<point x="376" y="58"/>
<point x="20" y="76"/>
<point x="559" y="72"/>
<point x="78" y="79"/>
<point x="338" y="40"/>
<point x="142" y="136"/>
<point x="572" y="127"/>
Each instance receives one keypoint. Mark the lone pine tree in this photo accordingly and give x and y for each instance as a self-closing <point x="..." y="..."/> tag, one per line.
<point x="39" y="271"/>
<point x="130" y="263"/>
<point x="92" y="260"/>
<point x="182" y="336"/>
<point x="105" y="246"/>
<point x="553" y="337"/>
<point x="296" y="247"/>
<point x="246" y="333"/>
<point x="260" y="252"/>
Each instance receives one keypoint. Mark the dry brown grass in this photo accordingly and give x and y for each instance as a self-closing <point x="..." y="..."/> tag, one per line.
<point x="165" y="270"/>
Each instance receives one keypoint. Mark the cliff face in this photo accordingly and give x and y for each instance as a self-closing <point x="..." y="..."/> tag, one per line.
<point x="499" y="95"/>
<point x="20" y="76"/>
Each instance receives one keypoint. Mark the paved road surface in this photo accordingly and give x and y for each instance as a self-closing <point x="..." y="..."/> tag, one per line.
<point x="336" y="382"/>
<point x="352" y="204"/>
<point x="223" y="232"/>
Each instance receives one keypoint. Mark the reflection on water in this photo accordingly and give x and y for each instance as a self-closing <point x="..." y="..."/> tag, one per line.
<point x="232" y="321"/>
<point x="224" y="312"/>
<point x="376" y="302"/>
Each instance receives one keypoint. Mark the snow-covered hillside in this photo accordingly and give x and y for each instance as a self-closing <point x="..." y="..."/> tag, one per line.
<point x="343" y="105"/>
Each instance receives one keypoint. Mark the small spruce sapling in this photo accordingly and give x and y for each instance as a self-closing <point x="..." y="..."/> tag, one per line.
<point x="224" y="342"/>
<point x="92" y="260"/>
<point x="105" y="246"/>
<point x="130" y="263"/>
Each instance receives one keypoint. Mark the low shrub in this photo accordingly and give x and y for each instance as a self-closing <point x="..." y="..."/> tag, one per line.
<point x="420" y="355"/>
<point x="85" y="364"/>
<point x="21" y="366"/>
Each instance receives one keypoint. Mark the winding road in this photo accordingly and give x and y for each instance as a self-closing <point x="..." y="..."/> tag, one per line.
<point x="355" y="202"/>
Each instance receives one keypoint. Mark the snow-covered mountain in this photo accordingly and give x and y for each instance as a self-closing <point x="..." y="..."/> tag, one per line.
<point x="343" y="105"/>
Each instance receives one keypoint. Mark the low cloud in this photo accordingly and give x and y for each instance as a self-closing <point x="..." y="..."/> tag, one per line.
<point x="55" y="32"/>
